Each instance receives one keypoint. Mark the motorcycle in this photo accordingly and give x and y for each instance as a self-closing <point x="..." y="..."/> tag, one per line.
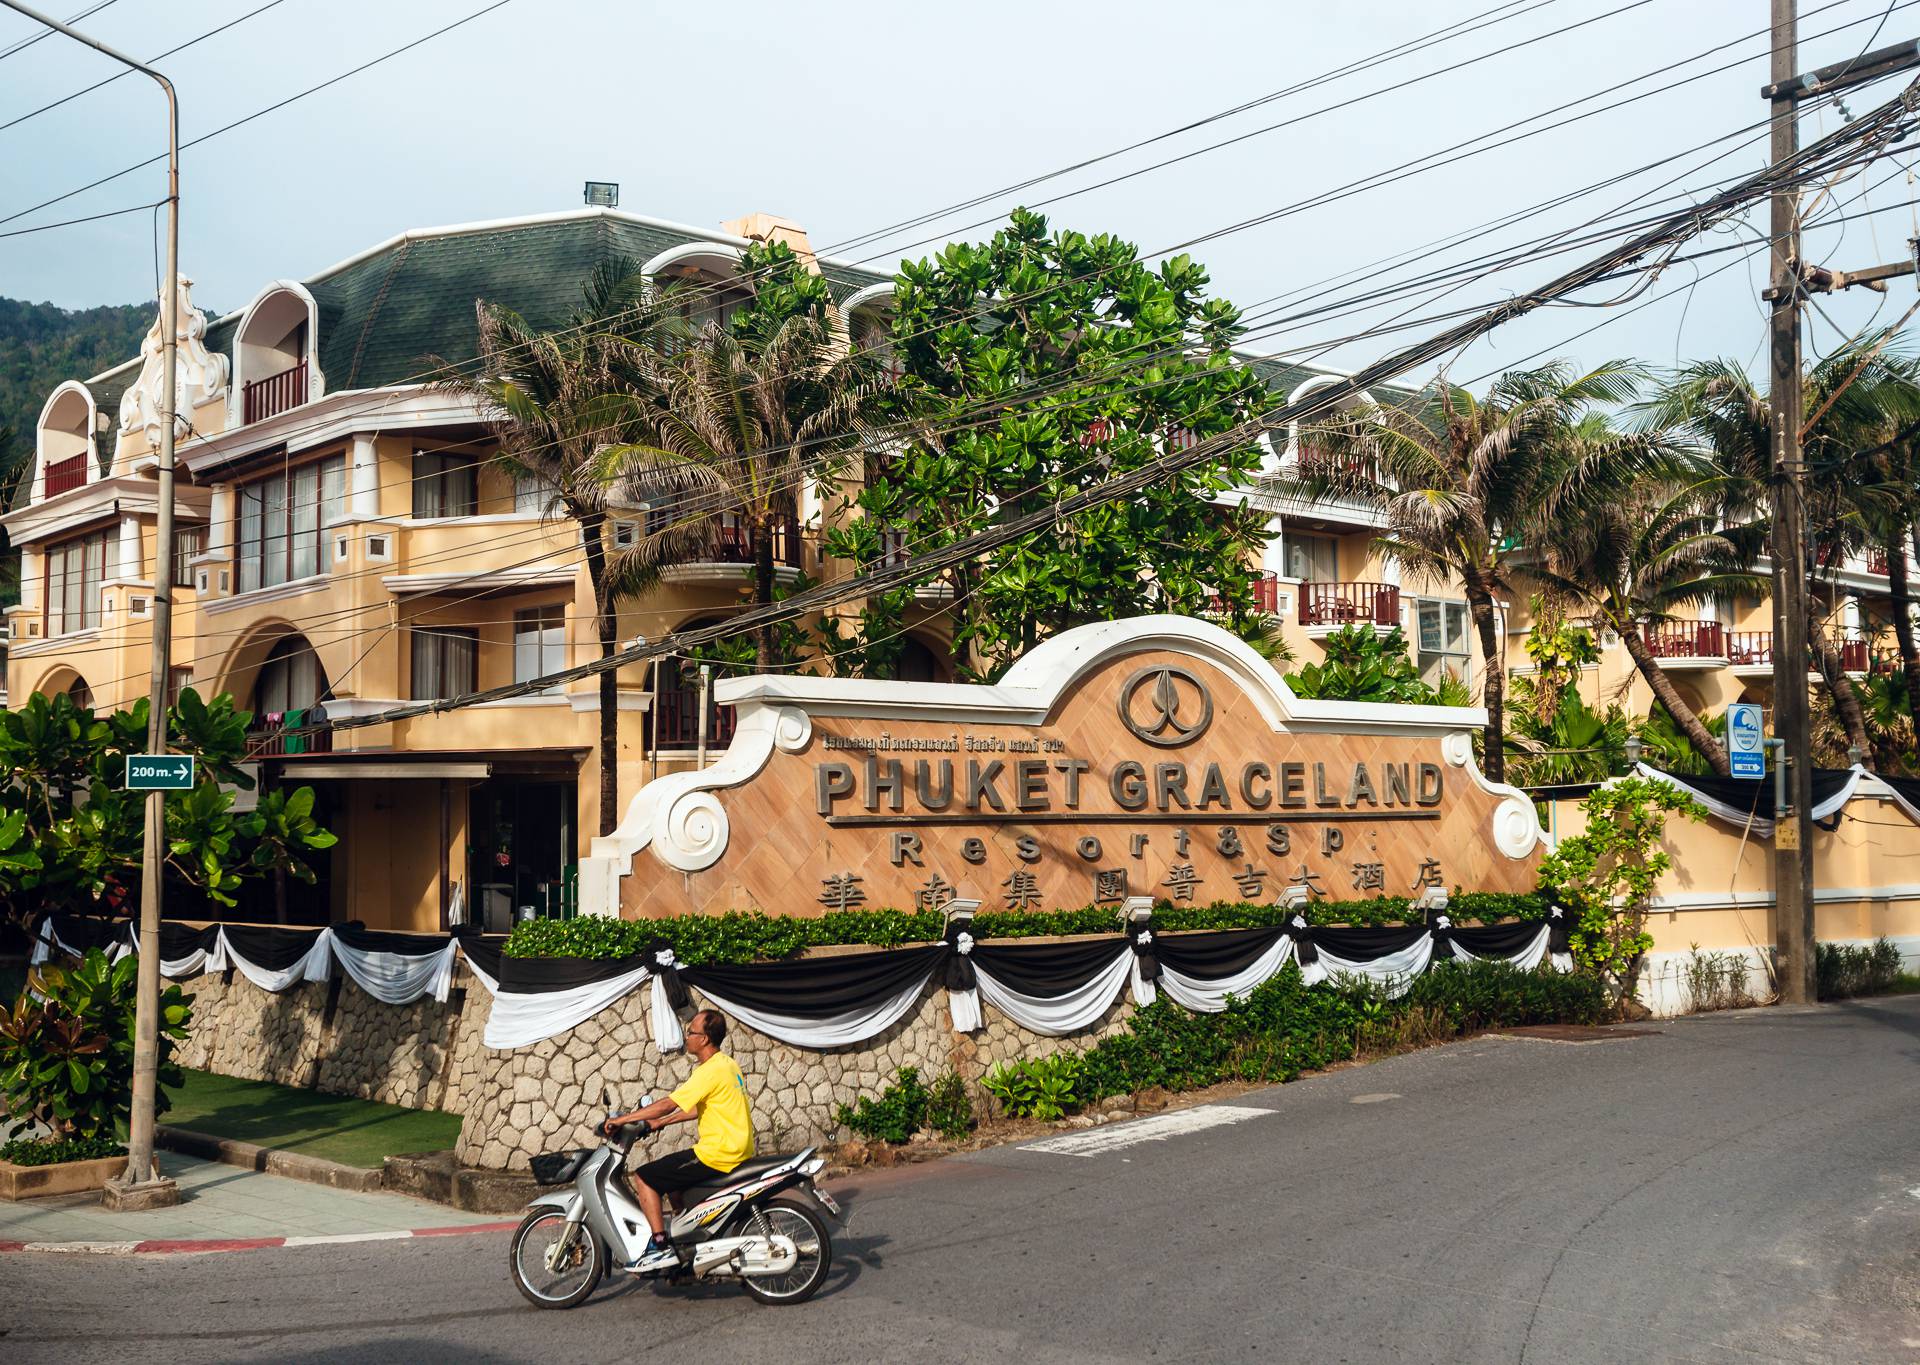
<point x="743" y="1225"/>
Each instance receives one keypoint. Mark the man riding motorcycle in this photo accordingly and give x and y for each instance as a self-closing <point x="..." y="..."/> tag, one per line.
<point x="716" y="1095"/>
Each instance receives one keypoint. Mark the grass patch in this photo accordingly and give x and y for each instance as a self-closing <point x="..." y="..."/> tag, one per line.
<point x="333" y="1127"/>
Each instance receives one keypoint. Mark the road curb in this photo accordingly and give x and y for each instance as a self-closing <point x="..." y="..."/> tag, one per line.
<point x="290" y="1165"/>
<point x="164" y="1246"/>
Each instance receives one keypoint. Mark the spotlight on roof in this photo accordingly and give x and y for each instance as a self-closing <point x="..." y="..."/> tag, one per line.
<point x="603" y="194"/>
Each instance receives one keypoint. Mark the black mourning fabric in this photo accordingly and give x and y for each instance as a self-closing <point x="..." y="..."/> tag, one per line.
<point x="1213" y="956"/>
<point x="269" y="947"/>
<point x="380" y="941"/>
<point x="540" y="975"/>
<point x="820" y="987"/>
<point x="82" y="932"/>
<point x="1046" y="970"/>
<point x="1365" y="944"/>
<point x="1559" y="929"/>
<point x="1908" y="787"/>
<point x="666" y="966"/>
<point x="1755" y="797"/>
<point x="183" y="940"/>
<point x="1144" y="938"/>
<point x="483" y="953"/>
<point x="1497" y="940"/>
<point x="956" y="972"/>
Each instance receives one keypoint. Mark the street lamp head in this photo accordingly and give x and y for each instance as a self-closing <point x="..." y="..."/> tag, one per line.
<point x="1634" y="749"/>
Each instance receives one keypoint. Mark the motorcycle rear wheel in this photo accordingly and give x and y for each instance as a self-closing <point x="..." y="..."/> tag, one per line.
<point x="583" y="1263"/>
<point x="788" y="1218"/>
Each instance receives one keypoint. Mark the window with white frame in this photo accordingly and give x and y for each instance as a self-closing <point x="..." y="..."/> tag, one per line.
<point x="1440" y="630"/>
<point x="75" y="569"/>
<point x="539" y="642"/>
<point x="278" y="520"/>
<point x="446" y="662"/>
<point x="445" y="484"/>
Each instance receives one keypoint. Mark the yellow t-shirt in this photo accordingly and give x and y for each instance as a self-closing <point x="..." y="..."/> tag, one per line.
<point x="717" y="1093"/>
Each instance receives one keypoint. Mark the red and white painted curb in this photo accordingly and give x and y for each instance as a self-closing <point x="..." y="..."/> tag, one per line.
<point x="175" y="1245"/>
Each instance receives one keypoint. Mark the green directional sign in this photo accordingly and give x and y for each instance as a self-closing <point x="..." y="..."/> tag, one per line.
<point x="159" y="772"/>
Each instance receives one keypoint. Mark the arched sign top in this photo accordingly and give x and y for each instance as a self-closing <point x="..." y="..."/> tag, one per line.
<point x="1166" y="705"/>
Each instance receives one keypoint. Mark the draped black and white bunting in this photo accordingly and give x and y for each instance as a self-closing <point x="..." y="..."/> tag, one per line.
<point x="1745" y="801"/>
<point x="1906" y="794"/>
<point x="832" y="1000"/>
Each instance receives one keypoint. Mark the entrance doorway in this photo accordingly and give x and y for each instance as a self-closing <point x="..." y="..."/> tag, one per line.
<point x="520" y="850"/>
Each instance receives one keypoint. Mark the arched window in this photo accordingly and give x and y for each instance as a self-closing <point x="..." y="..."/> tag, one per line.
<point x="80" y="693"/>
<point x="291" y="679"/>
<point x="273" y="353"/>
<point x="918" y="663"/>
<point x="701" y="278"/>
<point x="63" y="440"/>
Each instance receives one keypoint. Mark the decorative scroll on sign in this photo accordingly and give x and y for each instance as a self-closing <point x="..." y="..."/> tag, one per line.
<point x="1157" y="756"/>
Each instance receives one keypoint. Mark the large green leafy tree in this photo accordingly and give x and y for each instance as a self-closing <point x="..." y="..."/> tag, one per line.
<point x="1465" y="484"/>
<point x="1031" y="367"/>
<point x="71" y="836"/>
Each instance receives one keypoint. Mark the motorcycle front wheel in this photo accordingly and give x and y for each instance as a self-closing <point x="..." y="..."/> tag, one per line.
<point x="548" y="1275"/>
<point x="812" y="1242"/>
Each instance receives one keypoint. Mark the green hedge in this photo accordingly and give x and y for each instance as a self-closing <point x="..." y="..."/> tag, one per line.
<point x="750" y="935"/>
<point x="1284" y="1027"/>
<point x="47" y="1151"/>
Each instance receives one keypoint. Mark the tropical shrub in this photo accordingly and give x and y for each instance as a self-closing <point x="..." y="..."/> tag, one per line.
<point x="1044" y="1088"/>
<point x="949" y="1110"/>
<point x="47" y="1151"/>
<point x="1364" y="665"/>
<point x="1842" y="970"/>
<point x="895" y="1116"/>
<point x="66" y="1048"/>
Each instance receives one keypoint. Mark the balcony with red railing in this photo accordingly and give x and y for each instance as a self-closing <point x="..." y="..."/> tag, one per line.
<point x="1687" y="644"/>
<point x="1332" y="605"/>
<point x="263" y="398"/>
<point x="1854" y="655"/>
<point x="735" y="542"/>
<point x="279" y="734"/>
<point x="1750" y="652"/>
<point x="676" y="725"/>
<point x="63" y="476"/>
<point x="1316" y="462"/>
<point x="1266" y="596"/>
<point x="1877" y="562"/>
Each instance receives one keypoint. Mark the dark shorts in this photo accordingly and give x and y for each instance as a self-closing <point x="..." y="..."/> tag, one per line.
<point x="675" y="1172"/>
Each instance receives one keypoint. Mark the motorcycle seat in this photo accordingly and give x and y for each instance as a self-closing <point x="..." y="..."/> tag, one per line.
<point x="746" y="1170"/>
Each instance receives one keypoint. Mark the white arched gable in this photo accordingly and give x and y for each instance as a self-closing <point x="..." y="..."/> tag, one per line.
<point x="260" y="342"/>
<point x="1311" y="386"/>
<point x="867" y="297"/>
<point x="712" y="301"/>
<point x="714" y="257"/>
<point x="64" y="430"/>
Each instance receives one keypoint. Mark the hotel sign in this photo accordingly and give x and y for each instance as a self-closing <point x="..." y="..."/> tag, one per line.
<point x="1158" y="756"/>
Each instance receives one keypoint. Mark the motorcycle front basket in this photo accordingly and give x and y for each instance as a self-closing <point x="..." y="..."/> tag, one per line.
<point x="557" y="1168"/>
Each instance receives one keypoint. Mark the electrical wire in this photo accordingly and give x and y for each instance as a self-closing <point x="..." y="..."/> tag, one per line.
<point x="46" y="33"/>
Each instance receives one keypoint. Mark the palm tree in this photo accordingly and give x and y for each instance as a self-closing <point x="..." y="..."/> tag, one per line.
<point x="1464" y="484"/>
<point x="1640" y="559"/>
<point x="555" y="400"/>
<point x="739" y="422"/>
<point x="1863" y="401"/>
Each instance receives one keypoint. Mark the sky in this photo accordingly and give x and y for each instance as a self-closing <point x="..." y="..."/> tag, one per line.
<point x="850" y="118"/>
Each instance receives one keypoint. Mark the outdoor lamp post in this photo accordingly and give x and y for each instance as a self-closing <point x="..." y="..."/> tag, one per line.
<point x="1634" y="749"/>
<point x="142" y="1187"/>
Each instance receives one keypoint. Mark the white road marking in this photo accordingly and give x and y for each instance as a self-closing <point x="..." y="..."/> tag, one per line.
<point x="1380" y="1098"/>
<point x="1160" y="1127"/>
<point x="330" y="1239"/>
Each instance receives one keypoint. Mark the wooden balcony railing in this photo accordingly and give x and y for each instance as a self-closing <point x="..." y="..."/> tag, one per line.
<point x="1854" y="655"/>
<point x="734" y="542"/>
<point x="262" y="398"/>
<point x="1877" y="562"/>
<point x="63" y="476"/>
<point x="1687" y="640"/>
<point x="1750" y="648"/>
<point x="1345" y="604"/>
<point x="676" y="725"/>
<point x="1266" y="596"/>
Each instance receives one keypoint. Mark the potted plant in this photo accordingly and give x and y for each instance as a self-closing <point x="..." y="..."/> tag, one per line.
<point x="66" y="1074"/>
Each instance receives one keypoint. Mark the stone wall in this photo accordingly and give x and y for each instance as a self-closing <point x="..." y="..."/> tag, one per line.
<point x="420" y="1056"/>
<point x="528" y="1100"/>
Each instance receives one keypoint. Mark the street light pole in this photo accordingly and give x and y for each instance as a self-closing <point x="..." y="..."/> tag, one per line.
<point x="142" y="1187"/>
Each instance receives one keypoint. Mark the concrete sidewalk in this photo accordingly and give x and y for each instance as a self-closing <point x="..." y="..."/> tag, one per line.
<point x="225" y="1208"/>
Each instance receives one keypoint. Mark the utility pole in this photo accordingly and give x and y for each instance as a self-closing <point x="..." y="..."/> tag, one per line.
<point x="1792" y="723"/>
<point x="142" y="1187"/>
<point x="1789" y="278"/>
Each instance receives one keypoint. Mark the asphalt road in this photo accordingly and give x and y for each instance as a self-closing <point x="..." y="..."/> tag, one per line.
<point x="1738" y="1187"/>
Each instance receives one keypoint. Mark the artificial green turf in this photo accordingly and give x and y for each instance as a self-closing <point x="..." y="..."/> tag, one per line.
<point x="334" y="1127"/>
